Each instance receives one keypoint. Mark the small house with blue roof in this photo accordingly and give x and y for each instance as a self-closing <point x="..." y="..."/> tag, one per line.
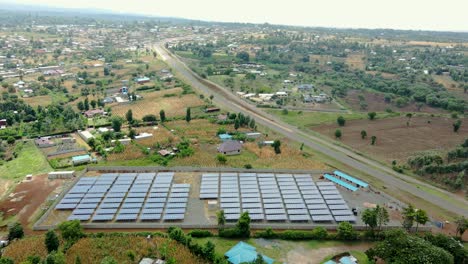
<point x="225" y="137"/>
<point x="243" y="252"/>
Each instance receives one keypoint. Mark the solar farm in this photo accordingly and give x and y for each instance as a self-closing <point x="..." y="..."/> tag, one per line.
<point x="156" y="199"/>
<point x="276" y="197"/>
<point x="127" y="197"/>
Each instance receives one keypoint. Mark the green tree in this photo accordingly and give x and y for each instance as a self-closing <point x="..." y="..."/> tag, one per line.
<point x="341" y="121"/>
<point x="51" y="241"/>
<point x="10" y="140"/>
<point x="363" y="134"/>
<point x="399" y="247"/>
<point x="5" y="260"/>
<point x="345" y="231"/>
<point x="109" y="260"/>
<point x="80" y="106"/>
<point x="149" y="118"/>
<point x="93" y="104"/>
<point x="373" y="140"/>
<point x="116" y="123"/>
<point x="236" y="123"/>
<point x="129" y="116"/>
<point x="71" y="230"/>
<point x="408" y="214"/>
<point x="162" y="115"/>
<point x="209" y="251"/>
<point x="243" y="225"/>
<point x="338" y="133"/>
<point x="457" y="125"/>
<point x="221" y="158"/>
<point x="243" y="56"/>
<point x="420" y="217"/>
<point x="382" y="216"/>
<point x="462" y="225"/>
<point x="188" y="116"/>
<point x="369" y="217"/>
<point x="259" y="259"/>
<point x="132" y="133"/>
<point x="277" y="146"/>
<point x="86" y="104"/>
<point x="78" y="260"/>
<point x="372" y="115"/>
<point x="55" y="258"/>
<point x="252" y="123"/>
<point x="15" y="231"/>
<point x="221" y="218"/>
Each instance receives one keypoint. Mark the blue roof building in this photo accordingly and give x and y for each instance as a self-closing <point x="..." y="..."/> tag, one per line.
<point x="243" y="252"/>
<point x="225" y="137"/>
<point x="82" y="159"/>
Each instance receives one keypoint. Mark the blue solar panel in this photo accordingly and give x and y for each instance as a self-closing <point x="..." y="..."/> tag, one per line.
<point x="232" y="210"/>
<point x="136" y="195"/>
<point x="152" y="210"/>
<point x="230" y="200"/>
<point x="320" y="212"/>
<point x="134" y="200"/>
<point x="176" y="205"/>
<point x="129" y="211"/>
<point x="70" y="201"/>
<point x="298" y="212"/>
<point x="61" y="206"/>
<point x="115" y="195"/>
<point x="91" y="200"/>
<point x="293" y="201"/>
<point x="272" y="201"/>
<point x="149" y="217"/>
<point x="154" y="205"/>
<point x="317" y="206"/>
<point x="126" y="217"/>
<point x="251" y="205"/>
<point x="87" y="206"/>
<point x="172" y="217"/>
<point x="109" y="205"/>
<point x="179" y="195"/>
<point x="274" y="211"/>
<point x="230" y="205"/>
<point x="276" y="217"/>
<point x="250" y="195"/>
<point x="79" y="217"/>
<point x="208" y="195"/>
<point x="157" y="195"/>
<point x="315" y="201"/>
<point x="341" y="212"/>
<point x="251" y="200"/>
<point x="112" y="200"/>
<point x="156" y="200"/>
<point x="273" y="206"/>
<point x="345" y="218"/>
<point x="322" y="218"/>
<point x="175" y="211"/>
<point x="295" y="206"/>
<point x="303" y="217"/>
<point x="132" y="205"/>
<point x="83" y="211"/>
<point x="106" y="211"/>
<point x="253" y="210"/>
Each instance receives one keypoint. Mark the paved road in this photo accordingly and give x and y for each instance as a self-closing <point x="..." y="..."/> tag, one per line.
<point x="389" y="177"/>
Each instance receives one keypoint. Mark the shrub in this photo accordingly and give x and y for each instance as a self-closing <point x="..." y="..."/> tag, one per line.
<point x="200" y="233"/>
<point x="229" y="233"/>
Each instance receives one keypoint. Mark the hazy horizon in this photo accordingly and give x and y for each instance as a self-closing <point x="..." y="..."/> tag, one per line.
<point x="397" y="14"/>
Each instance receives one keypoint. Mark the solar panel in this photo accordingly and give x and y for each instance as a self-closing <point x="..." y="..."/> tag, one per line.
<point x="132" y="205"/>
<point x="297" y="212"/>
<point x="325" y="183"/>
<point x="345" y="218"/>
<point x="251" y="200"/>
<point x="312" y="196"/>
<point x="326" y="188"/>
<point x="148" y="217"/>
<point x="273" y="205"/>
<point x="94" y="195"/>
<point x="87" y="206"/>
<point x="256" y="217"/>
<point x="112" y="200"/>
<point x="269" y="191"/>
<point x="157" y="195"/>
<point x="180" y="190"/>
<point x="129" y="211"/>
<point x="126" y="217"/>
<point x="70" y="201"/>
<point x="332" y="197"/>
<point x="179" y="195"/>
<point x="154" y="205"/>
<point x="106" y="211"/>
<point x="156" y="200"/>
<point x="320" y="212"/>
<point x="253" y="210"/>
<point x="79" y="217"/>
<point x="276" y="217"/>
<point x="103" y="217"/>
<point x="250" y="195"/>
<point x="208" y="195"/>
<point x="230" y="200"/>
<point x="315" y="201"/>
<point x="317" y="206"/>
<point x="227" y="195"/>
<point x="74" y="195"/>
<point x="274" y="211"/>
<point x="328" y="192"/>
<point x="176" y="205"/>
<point x="134" y="200"/>
<point x="322" y="218"/>
<point x="175" y="211"/>
<point x="303" y="217"/>
<point x="231" y="211"/>
<point x="109" y="205"/>
<point x="177" y="200"/>
<point x="251" y="205"/>
<point x="293" y="201"/>
<point x="209" y="190"/>
<point x="232" y="217"/>
<point x="229" y="205"/>
<point x="341" y="212"/>
<point x="91" y="200"/>
<point x="295" y="206"/>
<point x="271" y="195"/>
<point x="152" y="210"/>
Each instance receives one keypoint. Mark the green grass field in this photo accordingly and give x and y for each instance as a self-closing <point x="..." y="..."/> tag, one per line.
<point x="30" y="160"/>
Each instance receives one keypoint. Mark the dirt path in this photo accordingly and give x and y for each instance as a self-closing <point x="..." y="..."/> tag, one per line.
<point x="301" y="255"/>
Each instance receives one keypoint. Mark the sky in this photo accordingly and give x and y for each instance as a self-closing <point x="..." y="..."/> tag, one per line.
<point x="447" y="15"/>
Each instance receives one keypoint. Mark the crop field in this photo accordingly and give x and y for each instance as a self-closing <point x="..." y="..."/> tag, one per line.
<point x="309" y="119"/>
<point x="396" y="140"/>
<point x="356" y="61"/>
<point x="153" y="102"/>
<point x="93" y="250"/>
<point x="376" y="103"/>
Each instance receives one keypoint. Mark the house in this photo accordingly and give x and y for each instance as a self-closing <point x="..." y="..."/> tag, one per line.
<point x="230" y="147"/>
<point x="82" y="159"/>
<point x="94" y="112"/>
<point x="61" y="175"/>
<point x="211" y="109"/>
<point x="244" y="253"/>
<point x="108" y="100"/>
<point x="253" y="135"/>
<point x="225" y="137"/>
<point x="85" y="135"/>
<point x="3" y="123"/>
<point x="305" y="87"/>
<point x="142" y="80"/>
<point x="281" y="94"/>
<point x="44" y="142"/>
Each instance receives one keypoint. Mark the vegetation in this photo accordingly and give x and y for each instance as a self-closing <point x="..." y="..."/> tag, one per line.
<point x="15" y="231"/>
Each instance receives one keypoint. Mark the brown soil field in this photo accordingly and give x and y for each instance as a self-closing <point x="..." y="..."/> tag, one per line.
<point x="376" y="103"/>
<point x="153" y="102"/>
<point x="28" y="197"/>
<point x="396" y="140"/>
<point x="356" y="61"/>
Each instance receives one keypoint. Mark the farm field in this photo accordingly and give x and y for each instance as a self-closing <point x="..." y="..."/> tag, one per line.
<point x="93" y="250"/>
<point x="396" y="140"/>
<point x="153" y="102"/>
<point x="309" y="119"/>
<point x="283" y="251"/>
<point x="376" y="103"/>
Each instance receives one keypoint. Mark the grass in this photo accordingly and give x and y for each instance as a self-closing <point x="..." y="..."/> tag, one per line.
<point x="29" y="161"/>
<point x="307" y="119"/>
<point x="359" y="255"/>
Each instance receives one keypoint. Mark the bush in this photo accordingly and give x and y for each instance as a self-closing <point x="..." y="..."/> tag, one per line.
<point x="229" y="233"/>
<point x="346" y="231"/>
<point x="200" y="233"/>
<point x="15" y="232"/>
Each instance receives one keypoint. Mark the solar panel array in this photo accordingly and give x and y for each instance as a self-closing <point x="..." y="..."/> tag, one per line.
<point x="127" y="197"/>
<point x="275" y="197"/>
